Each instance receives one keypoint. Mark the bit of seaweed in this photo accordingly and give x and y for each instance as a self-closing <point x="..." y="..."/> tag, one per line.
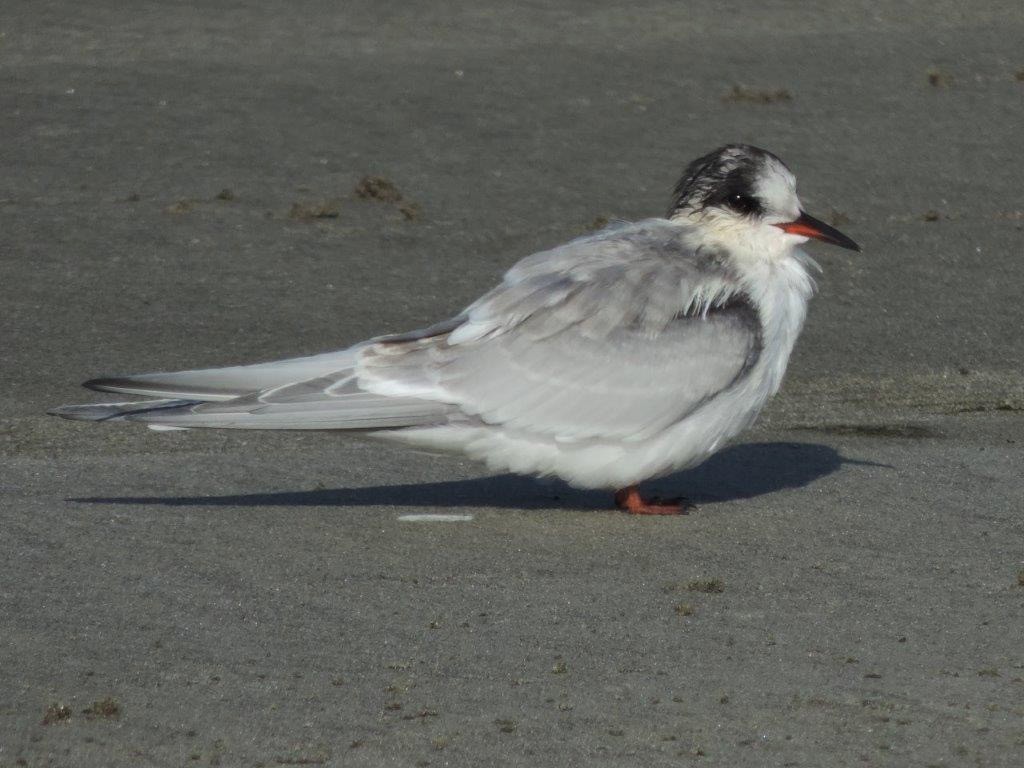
<point x="56" y="713"/>
<point x="107" y="708"/>
<point x="378" y="188"/>
<point x="939" y="79"/>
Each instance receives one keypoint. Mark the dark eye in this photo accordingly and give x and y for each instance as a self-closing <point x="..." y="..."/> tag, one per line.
<point x="742" y="203"/>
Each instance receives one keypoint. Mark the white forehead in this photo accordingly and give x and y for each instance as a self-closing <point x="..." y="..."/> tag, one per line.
<point x="775" y="186"/>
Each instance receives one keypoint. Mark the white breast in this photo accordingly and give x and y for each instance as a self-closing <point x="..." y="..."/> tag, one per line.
<point x="785" y="287"/>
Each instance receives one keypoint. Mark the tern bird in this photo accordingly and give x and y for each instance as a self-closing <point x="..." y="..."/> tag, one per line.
<point x="620" y="356"/>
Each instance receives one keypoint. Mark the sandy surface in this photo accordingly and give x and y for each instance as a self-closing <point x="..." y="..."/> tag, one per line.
<point x="177" y="190"/>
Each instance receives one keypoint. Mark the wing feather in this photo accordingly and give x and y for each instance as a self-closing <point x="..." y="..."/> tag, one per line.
<point x="225" y="383"/>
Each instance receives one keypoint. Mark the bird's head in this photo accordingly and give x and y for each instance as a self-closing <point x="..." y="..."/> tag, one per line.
<point x="745" y="196"/>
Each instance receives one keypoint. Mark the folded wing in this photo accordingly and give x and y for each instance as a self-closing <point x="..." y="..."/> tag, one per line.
<point x="615" y="335"/>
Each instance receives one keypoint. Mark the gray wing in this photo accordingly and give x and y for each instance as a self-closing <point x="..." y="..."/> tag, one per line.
<point x="615" y="335"/>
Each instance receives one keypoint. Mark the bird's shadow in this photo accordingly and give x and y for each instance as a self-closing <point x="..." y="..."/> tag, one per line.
<point x="738" y="472"/>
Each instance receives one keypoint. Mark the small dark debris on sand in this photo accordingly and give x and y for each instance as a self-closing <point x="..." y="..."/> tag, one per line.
<point x="423" y="714"/>
<point x="745" y="94"/>
<point x="506" y="726"/>
<point x="312" y="211"/>
<point x="180" y="207"/>
<point x="1020" y="578"/>
<point x="384" y="191"/>
<point x="939" y="79"/>
<point x="932" y="216"/>
<point x="708" y="586"/>
<point x="1020" y="75"/>
<point x="378" y="188"/>
<point x="684" y="609"/>
<point x="226" y="194"/>
<point x="56" y="713"/>
<point x="1003" y="405"/>
<point x="599" y="222"/>
<point x="318" y="758"/>
<point x="411" y="211"/>
<point x="106" y="708"/>
<point x="133" y="197"/>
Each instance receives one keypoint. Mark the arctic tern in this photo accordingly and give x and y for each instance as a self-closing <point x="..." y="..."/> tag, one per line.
<point x="617" y="357"/>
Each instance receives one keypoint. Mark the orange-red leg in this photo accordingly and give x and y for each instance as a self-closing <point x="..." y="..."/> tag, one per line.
<point x="630" y="500"/>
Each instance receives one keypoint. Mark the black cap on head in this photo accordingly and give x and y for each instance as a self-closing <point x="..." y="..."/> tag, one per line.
<point x="727" y="173"/>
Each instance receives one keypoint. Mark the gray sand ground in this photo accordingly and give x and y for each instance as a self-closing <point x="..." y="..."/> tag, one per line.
<point x="847" y="594"/>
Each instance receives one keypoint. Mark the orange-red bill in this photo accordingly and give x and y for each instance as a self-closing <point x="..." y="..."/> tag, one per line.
<point x="808" y="226"/>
